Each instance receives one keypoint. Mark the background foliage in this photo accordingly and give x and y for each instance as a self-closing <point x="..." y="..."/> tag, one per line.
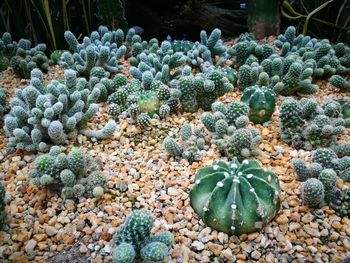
<point x="46" y="20"/>
<point x="319" y="18"/>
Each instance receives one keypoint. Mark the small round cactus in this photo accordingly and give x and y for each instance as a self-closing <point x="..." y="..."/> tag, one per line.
<point x="325" y="157"/>
<point x="154" y="251"/>
<point x="313" y="192"/>
<point x="144" y="120"/>
<point x="234" y="110"/>
<point x="328" y="178"/>
<point x="186" y="132"/>
<point x="261" y="102"/>
<point x="124" y="253"/>
<point x="217" y="196"/>
<point x="172" y="147"/>
<point x="149" y="103"/>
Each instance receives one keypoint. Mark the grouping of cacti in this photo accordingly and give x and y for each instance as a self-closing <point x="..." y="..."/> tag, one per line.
<point x="190" y="144"/>
<point x="3" y="93"/>
<point x="321" y="176"/>
<point x="306" y="125"/>
<point x="291" y="69"/>
<point x="133" y="240"/>
<point x="229" y="131"/>
<point x="2" y="206"/>
<point x="22" y="56"/>
<point x="103" y="48"/>
<point x="236" y="197"/>
<point x="75" y="174"/>
<point x="146" y="96"/>
<point x="44" y="115"/>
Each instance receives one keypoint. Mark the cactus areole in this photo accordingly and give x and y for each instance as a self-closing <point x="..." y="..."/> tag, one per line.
<point x="235" y="198"/>
<point x="261" y="102"/>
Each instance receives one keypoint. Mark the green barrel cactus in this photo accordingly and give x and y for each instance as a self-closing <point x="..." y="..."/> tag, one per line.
<point x="261" y="102"/>
<point x="149" y="103"/>
<point x="235" y="198"/>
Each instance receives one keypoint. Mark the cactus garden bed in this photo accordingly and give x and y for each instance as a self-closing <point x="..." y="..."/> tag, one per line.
<point x="120" y="163"/>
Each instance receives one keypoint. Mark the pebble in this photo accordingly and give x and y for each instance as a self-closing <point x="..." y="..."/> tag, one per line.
<point x="83" y="249"/>
<point x="30" y="246"/>
<point x="198" y="245"/>
<point x="256" y="254"/>
<point x="50" y="231"/>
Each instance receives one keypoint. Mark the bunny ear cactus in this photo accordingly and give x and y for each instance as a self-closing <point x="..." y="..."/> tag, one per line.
<point x="261" y="102"/>
<point x="235" y="198"/>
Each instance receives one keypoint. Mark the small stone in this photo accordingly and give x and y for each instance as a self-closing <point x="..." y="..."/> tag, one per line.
<point x="40" y="237"/>
<point x="337" y="225"/>
<point x="256" y="254"/>
<point x="282" y="219"/>
<point x="215" y="248"/>
<point x="253" y="236"/>
<point x="227" y="254"/>
<point x="30" y="246"/>
<point x="198" y="245"/>
<point x="83" y="249"/>
<point x="50" y="231"/>
<point x="294" y="226"/>
<point x="311" y="231"/>
<point x="223" y="238"/>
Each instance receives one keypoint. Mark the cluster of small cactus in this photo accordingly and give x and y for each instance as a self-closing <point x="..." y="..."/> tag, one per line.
<point x="76" y="174"/>
<point x="249" y="51"/>
<point x="341" y="203"/>
<point x="21" y="56"/>
<point x="286" y="76"/>
<point x="134" y="240"/>
<point x="235" y="198"/>
<point x="146" y="96"/>
<point x="2" y="206"/>
<point x="307" y="125"/>
<point x="261" y="101"/>
<point x="302" y="59"/>
<point x="321" y="176"/>
<point x="44" y="115"/>
<point x="8" y="49"/>
<point x="191" y="142"/>
<point x="3" y="93"/>
<point x="103" y="48"/>
<point x="229" y="131"/>
<point x="340" y="83"/>
<point x="327" y="59"/>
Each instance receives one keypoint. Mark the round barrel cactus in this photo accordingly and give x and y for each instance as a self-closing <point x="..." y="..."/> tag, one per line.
<point x="235" y="197"/>
<point x="149" y="103"/>
<point x="261" y="102"/>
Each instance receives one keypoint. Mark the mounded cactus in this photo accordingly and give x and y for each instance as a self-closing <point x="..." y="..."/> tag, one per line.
<point x="75" y="173"/>
<point x="261" y="102"/>
<point x="235" y="197"/>
<point x="313" y="192"/>
<point x="44" y="115"/>
<point x="134" y="239"/>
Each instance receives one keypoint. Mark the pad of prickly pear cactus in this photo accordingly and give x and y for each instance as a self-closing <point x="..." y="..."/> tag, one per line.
<point x="261" y="102"/>
<point x="236" y="198"/>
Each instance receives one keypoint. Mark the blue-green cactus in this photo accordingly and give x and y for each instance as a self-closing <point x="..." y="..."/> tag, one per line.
<point x="133" y="240"/>
<point x="218" y="200"/>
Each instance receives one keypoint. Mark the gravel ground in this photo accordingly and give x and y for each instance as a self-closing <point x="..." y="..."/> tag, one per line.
<point x="42" y="227"/>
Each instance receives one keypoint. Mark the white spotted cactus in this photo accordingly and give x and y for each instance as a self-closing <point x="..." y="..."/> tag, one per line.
<point x="235" y="198"/>
<point x="41" y="116"/>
